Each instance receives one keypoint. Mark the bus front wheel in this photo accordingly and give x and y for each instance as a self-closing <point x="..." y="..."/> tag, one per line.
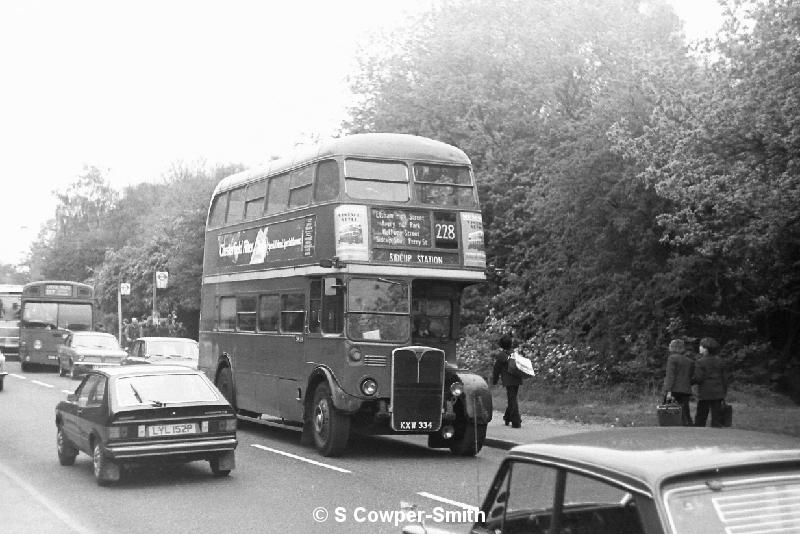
<point x="225" y="385"/>
<point x="468" y="439"/>
<point x="330" y="428"/>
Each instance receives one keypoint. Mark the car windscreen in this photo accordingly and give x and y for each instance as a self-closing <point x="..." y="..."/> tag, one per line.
<point x="743" y="505"/>
<point x="181" y="349"/>
<point x="163" y="388"/>
<point x="95" y="342"/>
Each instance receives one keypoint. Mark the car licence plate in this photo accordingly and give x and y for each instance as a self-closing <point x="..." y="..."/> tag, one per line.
<point x="171" y="430"/>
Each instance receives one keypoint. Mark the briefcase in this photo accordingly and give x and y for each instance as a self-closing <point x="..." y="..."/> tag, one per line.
<point x="669" y="414"/>
<point x="727" y="414"/>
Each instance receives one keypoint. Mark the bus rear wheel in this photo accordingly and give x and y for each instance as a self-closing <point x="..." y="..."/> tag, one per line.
<point x="225" y="385"/>
<point x="330" y="428"/>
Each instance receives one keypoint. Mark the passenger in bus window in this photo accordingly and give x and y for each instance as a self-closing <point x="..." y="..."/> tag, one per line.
<point x="422" y="326"/>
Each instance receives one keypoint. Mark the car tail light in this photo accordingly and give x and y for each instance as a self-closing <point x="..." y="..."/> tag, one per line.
<point x="226" y="425"/>
<point x="118" y="432"/>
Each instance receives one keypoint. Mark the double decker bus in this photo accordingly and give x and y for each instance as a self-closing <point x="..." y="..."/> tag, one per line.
<point x="331" y="292"/>
<point x="10" y="295"/>
<point x="50" y="310"/>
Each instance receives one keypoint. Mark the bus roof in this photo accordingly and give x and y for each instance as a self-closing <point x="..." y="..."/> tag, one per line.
<point x="370" y="145"/>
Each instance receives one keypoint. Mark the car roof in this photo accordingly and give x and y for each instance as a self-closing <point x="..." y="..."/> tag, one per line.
<point x="166" y="338"/>
<point x="92" y="333"/>
<point x="145" y="369"/>
<point x="645" y="457"/>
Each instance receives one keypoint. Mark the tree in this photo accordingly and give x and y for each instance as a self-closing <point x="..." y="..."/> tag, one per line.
<point x="531" y="91"/>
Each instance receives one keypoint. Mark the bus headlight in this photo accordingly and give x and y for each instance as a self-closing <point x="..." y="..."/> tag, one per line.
<point x="354" y="354"/>
<point x="448" y="432"/>
<point x="456" y="389"/>
<point x="37" y="344"/>
<point x="369" y="387"/>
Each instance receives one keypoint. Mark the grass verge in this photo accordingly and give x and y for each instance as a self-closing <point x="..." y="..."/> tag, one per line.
<point x="754" y="408"/>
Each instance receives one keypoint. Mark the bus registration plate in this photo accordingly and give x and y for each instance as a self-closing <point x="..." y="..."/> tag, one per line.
<point x="171" y="430"/>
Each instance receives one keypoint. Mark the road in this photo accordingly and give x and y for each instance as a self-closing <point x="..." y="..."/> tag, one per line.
<point x="277" y="486"/>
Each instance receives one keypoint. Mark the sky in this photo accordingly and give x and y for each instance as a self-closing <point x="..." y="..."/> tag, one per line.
<point x="134" y="87"/>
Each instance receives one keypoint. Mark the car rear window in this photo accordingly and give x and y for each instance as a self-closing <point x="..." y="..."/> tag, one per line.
<point x="163" y="388"/>
<point x="736" y="505"/>
<point x="182" y="349"/>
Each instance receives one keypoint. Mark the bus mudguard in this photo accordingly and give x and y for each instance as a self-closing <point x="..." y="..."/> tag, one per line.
<point x="341" y="399"/>
<point x="477" y="398"/>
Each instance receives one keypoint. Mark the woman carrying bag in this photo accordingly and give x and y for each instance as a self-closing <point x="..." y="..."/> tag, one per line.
<point x="510" y="381"/>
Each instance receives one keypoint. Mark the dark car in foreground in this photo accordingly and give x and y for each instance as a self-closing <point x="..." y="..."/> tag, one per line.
<point x="86" y="350"/>
<point x="662" y="480"/>
<point x="140" y="414"/>
<point x="163" y="350"/>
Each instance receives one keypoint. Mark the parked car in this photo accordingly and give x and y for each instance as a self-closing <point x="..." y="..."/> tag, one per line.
<point x="9" y="337"/>
<point x="87" y="350"/>
<point x="3" y="371"/>
<point x="163" y="350"/>
<point x="139" y="414"/>
<point x="659" y="480"/>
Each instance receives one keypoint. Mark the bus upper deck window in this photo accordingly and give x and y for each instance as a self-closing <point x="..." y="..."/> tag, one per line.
<point x="236" y="206"/>
<point x="327" y="184"/>
<point x="216" y="217"/>
<point x="254" y="206"/>
<point x="376" y="180"/>
<point x="278" y="194"/>
<point x="443" y="185"/>
<point x="300" y="186"/>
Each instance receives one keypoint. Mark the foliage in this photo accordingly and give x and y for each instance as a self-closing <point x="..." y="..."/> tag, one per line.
<point x="634" y="189"/>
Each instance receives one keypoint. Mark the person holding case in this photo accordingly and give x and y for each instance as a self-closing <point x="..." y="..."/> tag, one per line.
<point x="510" y="382"/>
<point x="678" y="382"/>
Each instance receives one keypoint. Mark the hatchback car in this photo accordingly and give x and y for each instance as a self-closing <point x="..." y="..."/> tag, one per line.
<point x="88" y="350"/>
<point x="164" y="350"/>
<point x="670" y="480"/>
<point x="140" y="414"/>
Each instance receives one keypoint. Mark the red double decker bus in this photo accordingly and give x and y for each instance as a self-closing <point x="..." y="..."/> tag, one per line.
<point x="331" y="292"/>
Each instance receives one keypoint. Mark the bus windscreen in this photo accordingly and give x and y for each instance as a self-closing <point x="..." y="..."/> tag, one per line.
<point x="58" y="315"/>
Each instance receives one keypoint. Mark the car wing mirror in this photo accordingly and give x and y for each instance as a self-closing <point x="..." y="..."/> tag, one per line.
<point x="72" y="397"/>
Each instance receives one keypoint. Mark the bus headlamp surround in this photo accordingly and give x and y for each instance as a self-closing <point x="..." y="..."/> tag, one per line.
<point x="456" y="389"/>
<point x="369" y="386"/>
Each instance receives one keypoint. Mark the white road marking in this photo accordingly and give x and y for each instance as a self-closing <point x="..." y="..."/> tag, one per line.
<point x="447" y="501"/>
<point x="44" y="501"/>
<point x="42" y="384"/>
<point x="18" y="376"/>
<point x="302" y="459"/>
<point x="67" y="391"/>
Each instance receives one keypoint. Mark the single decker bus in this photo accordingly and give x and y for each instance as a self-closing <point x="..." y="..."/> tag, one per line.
<point x="331" y="292"/>
<point x="50" y="311"/>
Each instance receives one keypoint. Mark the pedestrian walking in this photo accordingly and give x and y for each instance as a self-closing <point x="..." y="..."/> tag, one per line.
<point x="510" y="382"/>
<point x="132" y="332"/>
<point x="711" y="377"/>
<point x="678" y="379"/>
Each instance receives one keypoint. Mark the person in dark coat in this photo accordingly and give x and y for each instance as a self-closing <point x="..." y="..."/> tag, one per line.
<point x="711" y="377"/>
<point x="678" y="381"/>
<point x="510" y="382"/>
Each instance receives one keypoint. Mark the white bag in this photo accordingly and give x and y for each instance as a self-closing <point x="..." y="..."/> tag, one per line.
<point x="519" y="365"/>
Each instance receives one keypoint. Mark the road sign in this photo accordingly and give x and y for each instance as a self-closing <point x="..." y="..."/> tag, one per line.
<point x="124" y="289"/>
<point x="161" y="279"/>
